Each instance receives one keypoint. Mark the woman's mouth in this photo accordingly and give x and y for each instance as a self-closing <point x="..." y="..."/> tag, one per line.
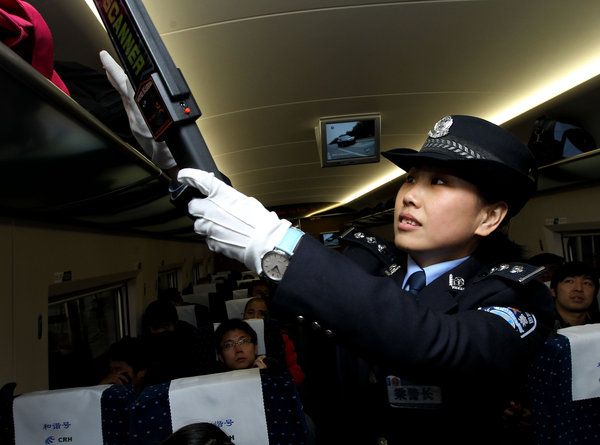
<point x="407" y="222"/>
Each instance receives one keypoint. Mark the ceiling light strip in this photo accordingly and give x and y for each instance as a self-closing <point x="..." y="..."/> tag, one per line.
<point x="555" y="89"/>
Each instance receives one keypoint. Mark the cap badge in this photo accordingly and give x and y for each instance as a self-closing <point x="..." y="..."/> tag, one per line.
<point x="441" y="128"/>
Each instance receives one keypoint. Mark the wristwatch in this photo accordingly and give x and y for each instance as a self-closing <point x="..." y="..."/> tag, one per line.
<point x="274" y="263"/>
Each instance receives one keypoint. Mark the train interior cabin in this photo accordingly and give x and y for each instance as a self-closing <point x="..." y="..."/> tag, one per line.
<point x="296" y="101"/>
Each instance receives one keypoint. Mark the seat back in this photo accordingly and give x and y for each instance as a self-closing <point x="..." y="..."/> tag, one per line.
<point x="204" y="289"/>
<point x="187" y="313"/>
<point x="245" y="284"/>
<point x="150" y="416"/>
<point x="218" y="276"/>
<point x="116" y="403"/>
<point x="557" y="418"/>
<point x="251" y="405"/>
<point x="239" y="294"/>
<point x="87" y="415"/>
<point x="116" y="415"/>
<point x="200" y="298"/>
<point x="235" y="308"/>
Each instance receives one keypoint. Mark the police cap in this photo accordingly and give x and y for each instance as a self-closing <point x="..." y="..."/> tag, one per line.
<point x="491" y="158"/>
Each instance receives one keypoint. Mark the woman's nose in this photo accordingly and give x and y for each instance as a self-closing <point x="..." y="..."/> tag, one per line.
<point x="411" y="195"/>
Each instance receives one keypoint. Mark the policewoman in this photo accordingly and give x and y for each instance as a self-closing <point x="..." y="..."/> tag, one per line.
<point x="447" y="316"/>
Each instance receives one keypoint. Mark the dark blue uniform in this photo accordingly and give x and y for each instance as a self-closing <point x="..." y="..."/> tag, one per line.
<point x="470" y="335"/>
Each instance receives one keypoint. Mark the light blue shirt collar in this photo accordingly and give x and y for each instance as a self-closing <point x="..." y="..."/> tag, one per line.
<point x="431" y="272"/>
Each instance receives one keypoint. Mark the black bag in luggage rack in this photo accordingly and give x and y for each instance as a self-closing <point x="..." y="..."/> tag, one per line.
<point x="552" y="140"/>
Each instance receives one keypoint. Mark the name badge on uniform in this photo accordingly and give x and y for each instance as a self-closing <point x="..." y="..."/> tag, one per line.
<point x="405" y="394"/>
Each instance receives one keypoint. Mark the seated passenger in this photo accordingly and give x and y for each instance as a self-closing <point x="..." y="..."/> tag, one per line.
<point x="128" y="364"/>
<point x="550" y="261"/>
<point x="574" y="286"/>
<point x="173" y="296"/>
<point x="201" y="433"/>
<point x="173" y="344"/>
<point x="237" y="348"/>
<point x="257" y="308"/>
<point x="161" y="316"/>
<point x="259" y="288"/>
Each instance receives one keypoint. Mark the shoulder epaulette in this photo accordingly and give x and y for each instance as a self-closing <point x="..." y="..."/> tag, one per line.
<point x="518" y="272"/>
<point x="381" y="248"/>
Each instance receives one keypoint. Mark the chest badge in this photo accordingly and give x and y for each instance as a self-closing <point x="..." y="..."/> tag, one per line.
<point x="456" y="283"/>
<point x="392" y="269"/>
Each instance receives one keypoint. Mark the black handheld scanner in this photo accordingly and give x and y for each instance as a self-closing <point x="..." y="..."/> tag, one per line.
<point x="162" y="93"/>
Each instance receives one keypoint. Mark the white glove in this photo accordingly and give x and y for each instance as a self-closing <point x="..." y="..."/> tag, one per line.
<point x="157" y="151"/>
<point x="235" y="225"/>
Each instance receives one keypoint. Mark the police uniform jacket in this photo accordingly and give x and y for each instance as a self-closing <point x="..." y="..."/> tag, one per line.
<point x="473" y="331"/>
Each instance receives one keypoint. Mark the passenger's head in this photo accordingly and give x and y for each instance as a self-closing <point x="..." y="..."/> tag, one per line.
<point x="201" y="433"/>
<point x="575" y="286"/>
<point x="259" y="288"/>
<point x="467" y="180"/>
<point x="129" y="357"/>
<point x="159" y="316"/>
<point x="236" y="344"/>
<point x="550" y="261"/>
<point x="172" y="295"/>
<point x="256" y="308"/>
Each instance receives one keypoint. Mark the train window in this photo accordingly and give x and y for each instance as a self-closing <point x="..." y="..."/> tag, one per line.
<point x="197" y="270"/>
<point x="582" y="247"/>
<point x="168" y="279"/>
<point x="81" y="328"/>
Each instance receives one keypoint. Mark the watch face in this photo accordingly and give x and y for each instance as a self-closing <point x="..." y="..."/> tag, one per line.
<point x="274" y="265"/>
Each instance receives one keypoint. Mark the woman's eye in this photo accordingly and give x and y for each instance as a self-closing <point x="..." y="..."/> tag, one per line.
<point x="410" y="179"/>
<point x="438" y="181"/>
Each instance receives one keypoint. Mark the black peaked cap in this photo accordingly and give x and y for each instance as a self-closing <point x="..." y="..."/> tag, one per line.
<point x="488" y="156"/>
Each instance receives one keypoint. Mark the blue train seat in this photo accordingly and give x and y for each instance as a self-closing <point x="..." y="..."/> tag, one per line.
<point x="154" y="416"/>
<point x="557" y="418"/>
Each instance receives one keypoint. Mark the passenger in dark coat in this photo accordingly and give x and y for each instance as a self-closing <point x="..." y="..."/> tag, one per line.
<point x="443" y="358"/>
<point x="175" y="347"/>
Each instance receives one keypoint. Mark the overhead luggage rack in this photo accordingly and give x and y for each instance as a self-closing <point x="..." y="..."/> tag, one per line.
<point x="60" y="164"/>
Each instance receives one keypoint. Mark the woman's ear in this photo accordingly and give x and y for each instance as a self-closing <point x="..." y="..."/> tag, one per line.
<point x="492" y="217"/>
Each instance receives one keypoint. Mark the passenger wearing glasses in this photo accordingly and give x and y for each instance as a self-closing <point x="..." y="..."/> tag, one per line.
<point x="237" y="347"/>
